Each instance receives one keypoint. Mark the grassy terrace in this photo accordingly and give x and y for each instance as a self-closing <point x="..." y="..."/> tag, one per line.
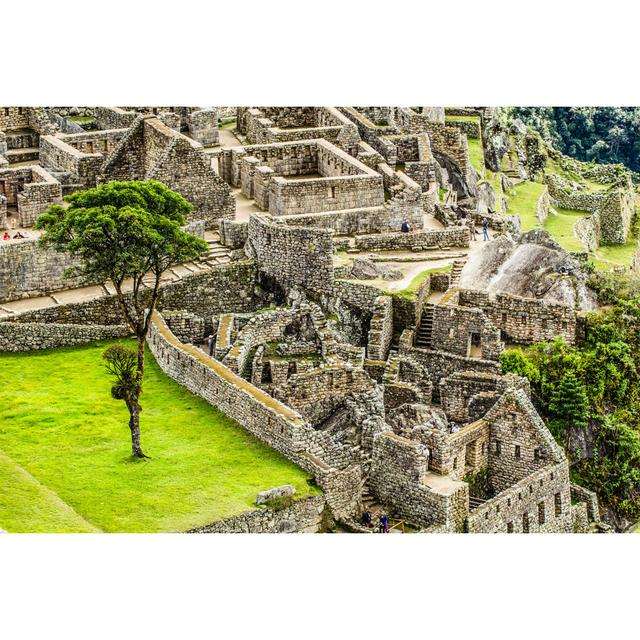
<point x="65" y="445"/>
<point x="461" y="118"/>
<point x="523" y="202"/>
<point x="476" y="154"/>
<point x="561" y="228"/>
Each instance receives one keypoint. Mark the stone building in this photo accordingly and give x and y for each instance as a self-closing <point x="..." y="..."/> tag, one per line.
<point x="391" y="398"/>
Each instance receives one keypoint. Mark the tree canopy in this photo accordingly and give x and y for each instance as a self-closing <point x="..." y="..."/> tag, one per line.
<point x="128" y="233"/>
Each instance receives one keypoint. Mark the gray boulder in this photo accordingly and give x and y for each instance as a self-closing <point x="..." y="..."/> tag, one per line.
<point x="284" y="491"/>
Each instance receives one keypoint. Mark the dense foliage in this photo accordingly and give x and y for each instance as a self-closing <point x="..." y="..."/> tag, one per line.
<point x="599" y="134"/>
<point x="590" y="397"/>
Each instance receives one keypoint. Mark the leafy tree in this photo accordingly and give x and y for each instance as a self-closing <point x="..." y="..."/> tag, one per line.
<point x="125" y="232"/>
<point x="122" y="364"/>
<point x="514" y="361"/>
<point x="569" y="402"/>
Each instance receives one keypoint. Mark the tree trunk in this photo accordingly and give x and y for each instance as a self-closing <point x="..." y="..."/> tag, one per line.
<point x="140" y="360"/>
<point x="134" y="425"/>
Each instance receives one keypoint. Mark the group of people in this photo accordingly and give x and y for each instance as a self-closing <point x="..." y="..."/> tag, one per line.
<point x="471" y="223"/>
<point x="383" y="521"/>
<point x="16" y="236"/>
<point x="462" y="217"/>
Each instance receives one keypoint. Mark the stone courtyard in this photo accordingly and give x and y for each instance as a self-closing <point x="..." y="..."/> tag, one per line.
<point x="348" y="311"/>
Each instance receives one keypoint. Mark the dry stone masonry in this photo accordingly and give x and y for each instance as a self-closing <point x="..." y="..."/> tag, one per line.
<point x="355" y="325"/>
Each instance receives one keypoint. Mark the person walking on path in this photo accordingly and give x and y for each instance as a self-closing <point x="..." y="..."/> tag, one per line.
<point x="384" y="523"/>
<point x="211" y="343"/>
<point x="485" y="229"/>
<point x="472" y="229"/>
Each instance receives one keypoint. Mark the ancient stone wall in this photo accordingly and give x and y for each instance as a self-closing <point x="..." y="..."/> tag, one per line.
<point x="57" y="155"/>
<point x="27" y="270"/>
<point x="295" y="197"/>
<point x="31" y="190"/>
<point x="31" y="336"/>
<point x="346" y="222"/>
<point x="381" y="330"/>
<point x="203" y="127"/>
<point x="520" y="442"/>
<point x="292" y="255"/>
<point x="458" y="329"/>
<point x="398" y="478"/>
<point x="539" y="503"/>
<point x="114" y="118"/>
<point x="229" y="287"/>
<point x="524" y="320"/>
<point x="302" y="516"/>
<point x="102" y="142"/>
<point x="415" y="240"/>
<point x="151" y="150"/>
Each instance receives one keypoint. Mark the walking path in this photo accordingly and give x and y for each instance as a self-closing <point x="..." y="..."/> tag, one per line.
<point x="216" y="255"/>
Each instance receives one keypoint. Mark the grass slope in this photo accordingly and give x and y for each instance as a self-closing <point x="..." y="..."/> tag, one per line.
<point x="522" y="201"/>
<point x="476" y="154"/>
<point x="560" y="226"/>
<point x="59" y="422"/>
<point x="28" y="507"/>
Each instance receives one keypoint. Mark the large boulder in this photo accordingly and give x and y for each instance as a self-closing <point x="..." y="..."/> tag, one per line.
<point x="365" y="269"/>
<point x="531" y="267"/>
<point x="275" y="494"/>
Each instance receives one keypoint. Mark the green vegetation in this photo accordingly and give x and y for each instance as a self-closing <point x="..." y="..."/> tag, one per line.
<point x="597" y="134"/>
<point x="26" y="506"/>
<point x="82" y="119"/>
<point x="595" y="388"/>
<point x="462" y="118"/>
<point x="615" y="255"/>
<point x="476" y="154"/>
<point x="70" y="470"/>
<point x="560" y="227"/>
<point x="522" y="201"/>
<point x="228" y="125"/>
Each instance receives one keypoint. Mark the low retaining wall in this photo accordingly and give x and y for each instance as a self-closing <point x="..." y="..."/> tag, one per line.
<point x="265" y="417"/>
<point x="415" y="240"/>
<point x="303" y="516"/>
<point x="17" y="336"/>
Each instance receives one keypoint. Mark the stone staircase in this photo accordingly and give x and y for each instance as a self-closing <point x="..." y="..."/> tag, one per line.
<point x="423" y="335"/>
<point x="215" y="254"/>
<point x="456" y="271"/>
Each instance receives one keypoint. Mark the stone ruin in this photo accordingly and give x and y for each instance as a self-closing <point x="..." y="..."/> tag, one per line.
<point x="387" y="390"/>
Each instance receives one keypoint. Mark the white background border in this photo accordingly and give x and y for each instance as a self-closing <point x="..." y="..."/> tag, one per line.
<point x="329" y="52"/>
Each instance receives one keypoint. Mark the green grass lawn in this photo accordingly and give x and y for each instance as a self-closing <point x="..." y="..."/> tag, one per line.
<point x="522" y="201"/>
<point x="461" y="118"/>
<point x="82" y="118"/>
<point x="66" y="447"/>
<point x="476" y="155"/>
<point x="561" y="228"/>
<point x="615" y="255"/>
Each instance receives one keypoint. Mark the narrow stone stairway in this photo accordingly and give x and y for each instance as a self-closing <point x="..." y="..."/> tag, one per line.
<point x="423" y="336"/>
<point x="456" y="270"/>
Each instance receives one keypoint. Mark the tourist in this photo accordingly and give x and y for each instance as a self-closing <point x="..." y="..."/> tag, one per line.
<point x="366" y="520"/>
<point x="462" y="214"/>
<point x="6" y="236"/>
<point x="211" y="343"/>
<point x="384" y="523"/>
<point x="18" y="236"/>
<point x="485" y="229"/>
<point x="472" y="229"/>
<point x="405" y="228"/>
